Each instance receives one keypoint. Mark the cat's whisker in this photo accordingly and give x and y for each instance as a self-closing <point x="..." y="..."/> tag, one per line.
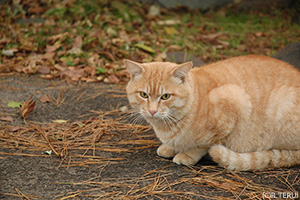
<point x="175" y="120"/>
<point x="134" y="116"/>
<point x="168" y="122"/>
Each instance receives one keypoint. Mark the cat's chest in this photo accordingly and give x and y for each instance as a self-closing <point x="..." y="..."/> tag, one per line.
<point x="176" y="138"/>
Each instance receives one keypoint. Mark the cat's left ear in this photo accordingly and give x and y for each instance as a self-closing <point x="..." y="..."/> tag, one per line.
<point x="181" y="71"/>
<point x="134" y="68"/>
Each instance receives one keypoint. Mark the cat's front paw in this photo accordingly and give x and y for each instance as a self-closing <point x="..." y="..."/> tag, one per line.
<point x="184" y="159"/>
<point x="165" y="151"/>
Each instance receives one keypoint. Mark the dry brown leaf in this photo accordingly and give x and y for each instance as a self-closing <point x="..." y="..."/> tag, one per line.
<point x="169" y="22"/>
<point x="213" y="36"/>
<point x="27" y="107"/>
<point x="45" y="98"/>
<point x="60" y="36"/>
<point x="28" y="44"/>
<point x="32" y="63"/>
<point x="174" y="48"/>
<point x="53" y="48"/>
<point x="224" y="43"/>
<point x="7" y="119"/>
<point x="113" y="79"/>
<point x="49" y="56"/>
<point x="77" y="44"/>
<point x="59" y="67"/>
<point x="258" y="34"/>
<point x="14" y="128"/>
<point x="73" y="73"/>
<point x="44" y="69"/>
<point x="170" y="30"/>
<point x="90" y="70"/>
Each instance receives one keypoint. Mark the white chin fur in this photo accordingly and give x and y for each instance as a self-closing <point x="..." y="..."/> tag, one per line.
<point x="151" y="118"/>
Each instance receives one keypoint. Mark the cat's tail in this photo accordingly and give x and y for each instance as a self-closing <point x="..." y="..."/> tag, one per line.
<point x="254" y="160"/>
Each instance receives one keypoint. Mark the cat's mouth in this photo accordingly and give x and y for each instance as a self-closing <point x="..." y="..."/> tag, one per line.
<point x="151" y="115"/>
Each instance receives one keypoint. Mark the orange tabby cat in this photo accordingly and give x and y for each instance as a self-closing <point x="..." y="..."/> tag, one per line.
<point x="244" y="111"/>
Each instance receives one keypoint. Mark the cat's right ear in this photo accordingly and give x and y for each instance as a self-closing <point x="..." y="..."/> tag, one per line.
<point x="181" y="71"/>
<point x="135" y="69"/>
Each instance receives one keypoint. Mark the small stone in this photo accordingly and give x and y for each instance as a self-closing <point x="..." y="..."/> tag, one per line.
<point x="154" y="10"/>
<point x="8" y="52"/>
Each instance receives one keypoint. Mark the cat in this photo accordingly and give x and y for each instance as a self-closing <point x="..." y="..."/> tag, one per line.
<point x="243" y="111"/>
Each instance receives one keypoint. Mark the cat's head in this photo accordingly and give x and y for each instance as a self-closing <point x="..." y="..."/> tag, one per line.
<point x="159" y="91"/>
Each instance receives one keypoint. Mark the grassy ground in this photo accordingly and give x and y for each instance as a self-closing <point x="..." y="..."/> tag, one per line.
<point x="87" y="40"/>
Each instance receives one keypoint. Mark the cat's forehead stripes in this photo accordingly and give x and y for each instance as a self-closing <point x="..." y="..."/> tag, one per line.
<point x="154" y="77"/>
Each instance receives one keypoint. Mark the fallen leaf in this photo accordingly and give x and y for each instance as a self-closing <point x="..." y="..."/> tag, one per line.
<point x="45" y="98"/>
<point x="124" y="109"/>
<point x="28" y="44"/>
<point x="77" y="44"/>
<point x="160" y="57"/>
<point x="60" y="36"/>
<point x="213" y="36"/>
<point x="113" y="79"/>
<point x="169" y="22"/>
<point x="75" y="51"/>
<point x="7" y="119"/>
<point x="154" y="10"/>
<point x="111" y="31"/>
<point x="48" y="152"/>
<point x="170" y="30"/>
<point x="44" y="69"/>
<point x="66" y="59"/>
<point x="14" y="104"/>
<point x="108" y="55"/>
<point x="14" y="128"/>
<point x="258" y="34"/>
<point x="49" y="55"/>
<point x="174" y="48"/>
<point x="224" y="43"/>
<point x="106" y="80"/>
<point x="53" y="48"/>
<point x="32" y="62"/>
<point x="73" y="73"/>
<point x="27" y="107"/>
<point x="144" y="47"/>
<point x="59" y="67"/>
<point x="60" y="121"/>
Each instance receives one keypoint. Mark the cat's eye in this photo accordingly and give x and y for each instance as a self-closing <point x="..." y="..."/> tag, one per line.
<point x="165" y="96"/>
<point x="144" y="95"/>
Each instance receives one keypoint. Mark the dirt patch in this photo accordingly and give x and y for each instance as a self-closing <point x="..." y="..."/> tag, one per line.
<point x="98" y="154"/>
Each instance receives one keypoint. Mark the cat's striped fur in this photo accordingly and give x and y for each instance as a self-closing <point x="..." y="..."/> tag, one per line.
<point x="244" y="111"/>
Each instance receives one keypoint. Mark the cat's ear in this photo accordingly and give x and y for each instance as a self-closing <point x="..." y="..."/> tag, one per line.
<point x="181" y="71"/>
<point x="135" y="69"/>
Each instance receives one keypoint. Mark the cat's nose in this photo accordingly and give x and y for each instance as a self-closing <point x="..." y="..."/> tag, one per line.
<point x="152" y="112"/>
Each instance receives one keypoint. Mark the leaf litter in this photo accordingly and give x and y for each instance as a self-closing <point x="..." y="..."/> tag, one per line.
<point x="80" y="40"/>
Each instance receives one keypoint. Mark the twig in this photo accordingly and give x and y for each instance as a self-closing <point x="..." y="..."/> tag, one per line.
<point x="21" y="194"/>
<point x="241" y="192"/>
<point x="47" y="140"/>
